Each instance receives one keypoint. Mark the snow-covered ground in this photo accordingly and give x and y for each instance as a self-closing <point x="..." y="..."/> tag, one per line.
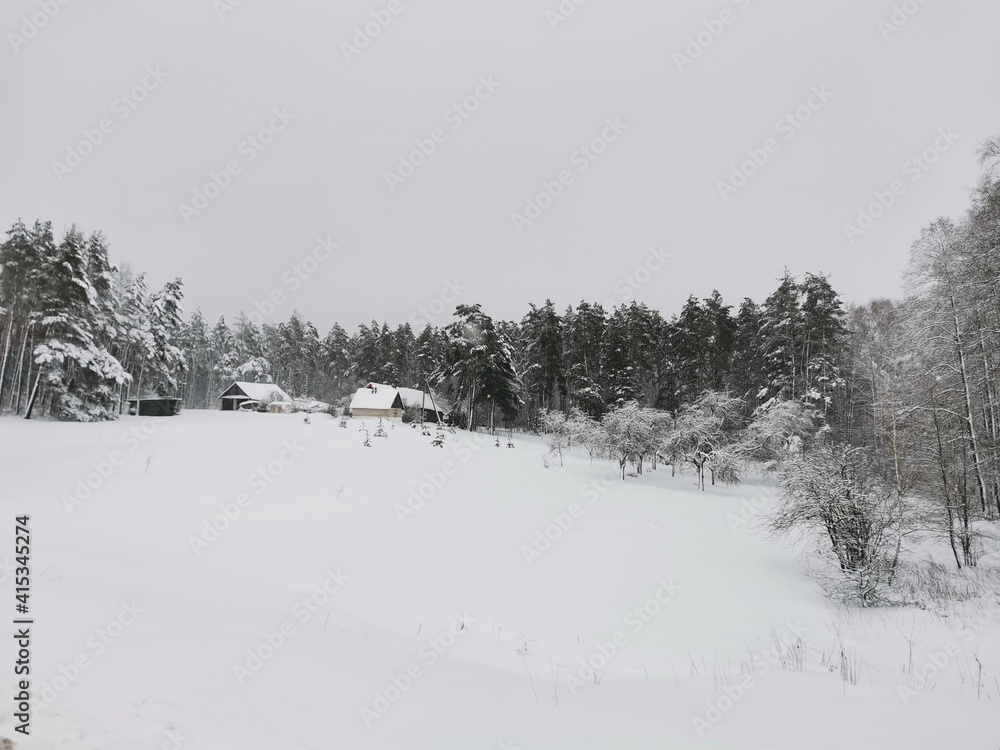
<point x="336" y="610"/>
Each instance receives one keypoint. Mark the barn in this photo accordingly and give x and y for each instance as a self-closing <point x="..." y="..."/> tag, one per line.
<point x="380" y="400"/>
<point x="239" y="393"/>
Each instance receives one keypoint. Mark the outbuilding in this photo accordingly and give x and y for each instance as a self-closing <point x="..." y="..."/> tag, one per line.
<point x="240" y="392"/>
<point x="154" y="406"/>
<point x="433" y="407"/>
<point x="387" y="401"/>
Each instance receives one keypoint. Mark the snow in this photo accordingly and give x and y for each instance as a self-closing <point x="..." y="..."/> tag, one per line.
<point x="260" y="391"/>
<point x="381" y="396"/>
<point x="310" y="405"/>
<point x="416" y="397"/>
<point x="374" y="396"/>
<point x="353" y="559"/>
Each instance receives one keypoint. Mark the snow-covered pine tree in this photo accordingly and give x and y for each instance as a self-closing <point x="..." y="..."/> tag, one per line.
<point x="583" y="330"/>
<point x="479" y="365"/>
<point x="77" y="378"/>
<point x="782" y="340"/>
<point x="748" y="376"/>
<point x="545" y="377"/>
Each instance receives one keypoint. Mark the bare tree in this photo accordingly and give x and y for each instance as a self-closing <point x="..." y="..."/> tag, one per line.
<point x="836" y="493"/>
<point x="704" y="437"/>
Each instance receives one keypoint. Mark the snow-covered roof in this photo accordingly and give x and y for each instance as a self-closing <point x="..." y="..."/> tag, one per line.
<point x="260" y="391"/>
<point x="382" y="396"/>
<point x="374" y="396"/>
<point x="415" y="397"/>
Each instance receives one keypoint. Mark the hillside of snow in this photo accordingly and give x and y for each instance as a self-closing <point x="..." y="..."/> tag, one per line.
<point x="233" y="581"/>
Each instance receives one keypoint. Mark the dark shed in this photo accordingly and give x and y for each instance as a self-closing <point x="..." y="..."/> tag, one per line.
<point x="154" y="406"/>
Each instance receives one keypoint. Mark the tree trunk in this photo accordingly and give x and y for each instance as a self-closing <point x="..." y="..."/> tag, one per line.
<point x="34" y="394"/>
<point x="31" y="362"/>
<point x="6" y="351"/>
<point x="990" y="417"/>
<point x="15" y="390"/>
<point x="899" y="497"/>
<point x="967" y="392"/>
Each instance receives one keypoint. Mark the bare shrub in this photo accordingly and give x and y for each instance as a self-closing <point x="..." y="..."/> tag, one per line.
<point x="836" y="493"/>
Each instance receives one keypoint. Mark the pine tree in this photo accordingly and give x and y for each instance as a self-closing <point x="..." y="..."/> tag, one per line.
<point x="479" y="365"/>
<point x="194" y="341"/>
<point x="749" y="377"/>
<point x="544" y="377"/>
<point x="336" y="359"/>
<point x="583" y="331"/>
<point x="822" y="341"/>
<point x="782" y="333"/>
<point x="77" y="378"/>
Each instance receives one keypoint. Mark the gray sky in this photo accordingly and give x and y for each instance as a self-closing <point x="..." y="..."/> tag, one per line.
<point x="550" y="91"/>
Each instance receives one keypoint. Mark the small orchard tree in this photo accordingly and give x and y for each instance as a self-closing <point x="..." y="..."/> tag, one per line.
<point x="578" y="423"/>
<point x="592" y="436"/>
<point x="559" y="430"/>
<point x="704" y="438"/>
<point x="632" y="434"/>
<point x="836" y="493"/>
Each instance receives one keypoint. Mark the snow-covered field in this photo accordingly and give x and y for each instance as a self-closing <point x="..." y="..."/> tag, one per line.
<point x="245" y="581"/>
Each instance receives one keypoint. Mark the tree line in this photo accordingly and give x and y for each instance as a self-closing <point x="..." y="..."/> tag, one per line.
<point x="787" y="347"/>
<point x="902" y="396"/>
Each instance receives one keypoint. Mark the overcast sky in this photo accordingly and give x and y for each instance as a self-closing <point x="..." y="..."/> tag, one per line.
<point x="869" y="98"/>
